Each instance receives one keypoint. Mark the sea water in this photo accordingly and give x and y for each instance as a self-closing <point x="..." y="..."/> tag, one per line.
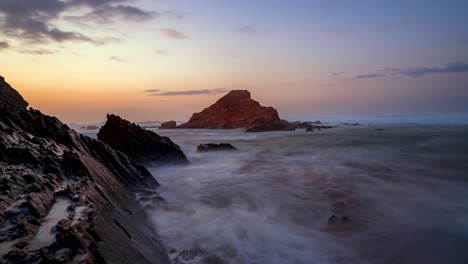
<point x="403" y="191"/>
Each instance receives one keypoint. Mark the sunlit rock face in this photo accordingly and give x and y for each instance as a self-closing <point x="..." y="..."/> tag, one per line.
<point x="143" y="146"/>
<point x="67" y="198"/>
<point x="237" y="110"/>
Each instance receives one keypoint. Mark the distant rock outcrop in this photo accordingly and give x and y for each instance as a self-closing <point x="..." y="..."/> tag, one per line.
<point x="215" y="147"/>
<point x="141" y="145"/>
<point x="169" y="125"/>
<point x="237" y="110"/>
<point x="67" y="198"/>
<point x="91" y="127"/>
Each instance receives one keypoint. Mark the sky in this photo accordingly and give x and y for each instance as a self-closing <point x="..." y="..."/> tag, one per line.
<point x="166" y="59"/>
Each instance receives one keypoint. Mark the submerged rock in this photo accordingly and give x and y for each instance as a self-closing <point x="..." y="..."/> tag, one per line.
<point x="337" y="220"/>
<point x="67" y="198"/>
<point x="197" y="256"/>
<point x="169" y="125"/>
<point x="237" y="110"/>
<point x="143" y="146"/>
<point x="215" y="147"/>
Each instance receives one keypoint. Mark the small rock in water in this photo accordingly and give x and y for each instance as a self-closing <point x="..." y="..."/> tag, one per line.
<point x="197" y="256"/>
<point x="215" y="147"/>
<point x="335" y="220"/>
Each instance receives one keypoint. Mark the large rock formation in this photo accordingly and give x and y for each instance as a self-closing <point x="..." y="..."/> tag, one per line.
<point x="237" y="110"/>
<point x="169" y="125"/>
<point x="66" y="198"/>
<point x="141" y="145"/>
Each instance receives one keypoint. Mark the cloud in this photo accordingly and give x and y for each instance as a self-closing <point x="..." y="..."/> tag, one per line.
<point x="337" y="73"/>
<point x="372" y="75"/>
<point x="172" y="33"/>
<point x="117" y="59"/>
<point x="248" y="29"/>
<point x="455" y="67"/>
<point x="37" y="21"/>
<point x="108" y="14"/>
<point x="161" y="52"/>
<point x="152" y="91"/>
<point x="156" y="92"/>
<point x="4" y="45"/>
<point x="37" y="51"/>
<point x="172" y="14"/>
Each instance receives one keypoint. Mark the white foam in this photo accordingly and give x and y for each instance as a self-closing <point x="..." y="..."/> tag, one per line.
<point x="45" y="236"/>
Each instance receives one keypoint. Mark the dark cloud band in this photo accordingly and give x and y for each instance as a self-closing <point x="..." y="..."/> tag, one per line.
<point x="456" y="67"/>
<point x="156" y="92"/>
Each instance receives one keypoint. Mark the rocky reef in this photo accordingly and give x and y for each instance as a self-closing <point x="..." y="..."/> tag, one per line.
<point x="67" y="198"/>
<point x="237" y="110"/>
<point x="215" y="147"/>
<point x="143" y="146"/>
<point x="169" y="125"/>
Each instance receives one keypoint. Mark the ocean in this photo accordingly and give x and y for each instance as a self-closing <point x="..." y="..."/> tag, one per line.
<point x="351" y="194"/>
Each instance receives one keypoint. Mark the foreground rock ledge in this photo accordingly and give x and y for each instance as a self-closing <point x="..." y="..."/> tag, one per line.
<point x="142" y="145"/>
<point x="47" y="167"/>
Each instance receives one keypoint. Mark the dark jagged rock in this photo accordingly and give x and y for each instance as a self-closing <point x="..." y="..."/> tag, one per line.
<point x="46" y="167"/>
<point x="237" y="110"/>
<point x="143" y="146"/>
<point x="10" y="98"/>
<point x="215" y="147"/>
<point x="169" y="125"/>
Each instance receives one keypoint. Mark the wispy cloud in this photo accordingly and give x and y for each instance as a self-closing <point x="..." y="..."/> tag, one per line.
<point x="172" y="14"/>
<point x="172" y="33"/>
<point x="456" y="67"/>
<point x="151" y="90"/>
<point x="371" y="75"/>
<point x="157" y="92"/>
<point x="161" y="52"/>
<point x="108" y="14"/>
<point x="337" y="73"/>
<point x="37" y="51"/>
<point x="247" y="29"/>
<point x="117" y="59"/>
<point x="4" y="45"/>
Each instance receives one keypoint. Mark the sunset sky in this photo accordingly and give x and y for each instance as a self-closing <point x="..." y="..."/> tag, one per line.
<point x="165" y="59"/>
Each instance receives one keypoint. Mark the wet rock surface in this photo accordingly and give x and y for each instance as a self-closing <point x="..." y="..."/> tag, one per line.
<point x="67" y="198"/>
<point x="143" y="146"/>
<point x="215" y="147"/>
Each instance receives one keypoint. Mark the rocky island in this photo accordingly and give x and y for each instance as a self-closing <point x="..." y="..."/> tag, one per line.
<point x="67" y="198"/>
<point x="238" y="110"/>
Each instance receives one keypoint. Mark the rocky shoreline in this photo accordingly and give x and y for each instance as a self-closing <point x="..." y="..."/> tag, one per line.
<point x="67" y="198"/>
